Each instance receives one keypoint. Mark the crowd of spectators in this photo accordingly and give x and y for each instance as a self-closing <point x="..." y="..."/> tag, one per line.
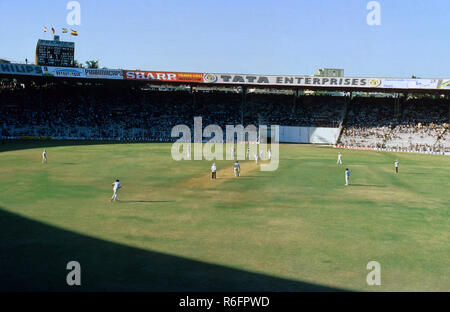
<point x="417" y="125"/>
<point x="120" y="112"/>
<point x="369" y="121"/>
<point x="303" y="111"/>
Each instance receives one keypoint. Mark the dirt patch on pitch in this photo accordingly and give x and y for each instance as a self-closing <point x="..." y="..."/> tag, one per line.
<point x="223" y="175"/>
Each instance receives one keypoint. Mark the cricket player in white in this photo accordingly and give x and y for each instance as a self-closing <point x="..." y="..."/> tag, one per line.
<point x="347" y="176"/>
<point x="256" y="158"/>
<point x="270" y="154"/>
<point x="213" y="171"/>
<point x="237" y="169"/>
<point x="232" y="152"/>
<point x="396" y="166"/>
<point x="339" y="160"/>
<point x="44" y="156"/>
<point x="248" y="153"/>
<point x="116" y="187"/>
<point x="261" y="154"/>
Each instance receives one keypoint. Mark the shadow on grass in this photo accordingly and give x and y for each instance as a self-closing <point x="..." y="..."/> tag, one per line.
<point x="34" y="256"/>
<point x="371" y="185"/>
<point x="243" y="177"/>
<point x="146" y="201"/>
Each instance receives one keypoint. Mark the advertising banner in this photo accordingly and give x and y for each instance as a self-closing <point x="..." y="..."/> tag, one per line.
<point x="311" y="81"/>
<point x="66" y="72"/>
<point x="227" y="79"/>
<point x="444" y="84"/>
<point x="162" y="76"/>
<point x="303" y="81"/>
<point x="409" y="83"/>
<point x="20" y="69"/>
<point x="104" y="73"/>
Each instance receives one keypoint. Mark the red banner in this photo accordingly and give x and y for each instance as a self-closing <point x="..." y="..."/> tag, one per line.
<point x="162" y="76"/>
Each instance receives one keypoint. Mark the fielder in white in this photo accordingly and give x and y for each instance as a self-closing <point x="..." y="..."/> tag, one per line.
<point x="347" y="176"/>
<point x="213" y="171"/>
<point x="44" y="156"/>
<point x="256" y="158"/>
<point x="116" y="187"/>
<point x="270" y="154"/>
<point x="396" y="166"/>
<point x="339" y="160"/>
<point x="237" y="169"/>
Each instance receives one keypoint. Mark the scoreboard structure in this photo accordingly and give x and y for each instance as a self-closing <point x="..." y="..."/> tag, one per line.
<point x="55" y="53"/>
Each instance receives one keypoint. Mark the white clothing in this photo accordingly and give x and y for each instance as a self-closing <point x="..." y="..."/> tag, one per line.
<point x="116" y="185"/>
<point x="237" y="168"/>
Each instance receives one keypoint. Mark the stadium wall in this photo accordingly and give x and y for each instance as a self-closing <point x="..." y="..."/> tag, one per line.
<point x="308" y="135"/>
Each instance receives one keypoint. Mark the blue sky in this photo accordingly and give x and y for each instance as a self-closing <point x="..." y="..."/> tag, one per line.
<point x="247" y="36"/>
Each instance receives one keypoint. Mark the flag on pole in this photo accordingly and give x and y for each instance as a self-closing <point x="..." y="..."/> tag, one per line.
<point x="45" y="29"/>
<point x="53" y="30"/>
<point x="73" y="33"/>
<point x="65" y="31"/>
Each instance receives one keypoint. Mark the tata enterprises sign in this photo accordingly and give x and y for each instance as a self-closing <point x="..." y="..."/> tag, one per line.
<point x="300" y="81"/>
<point x="310" y="81"/>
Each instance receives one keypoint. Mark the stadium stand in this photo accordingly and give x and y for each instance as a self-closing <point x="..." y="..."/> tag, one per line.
<point x="134" y="113"/>
<point x="368" y="122"/>
<point x="312" y="111"/>
<point x="420" y="125"/>
<point x="74" y="112"/>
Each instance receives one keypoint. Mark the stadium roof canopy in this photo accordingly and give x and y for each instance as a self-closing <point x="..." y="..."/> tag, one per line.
<point x="346" y="84"/>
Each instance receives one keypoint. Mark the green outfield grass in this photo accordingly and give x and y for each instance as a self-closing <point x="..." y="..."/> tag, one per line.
<point x="296" y="228"/>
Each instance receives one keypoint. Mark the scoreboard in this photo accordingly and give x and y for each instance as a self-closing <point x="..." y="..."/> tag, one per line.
<point x="55" y="53"/>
